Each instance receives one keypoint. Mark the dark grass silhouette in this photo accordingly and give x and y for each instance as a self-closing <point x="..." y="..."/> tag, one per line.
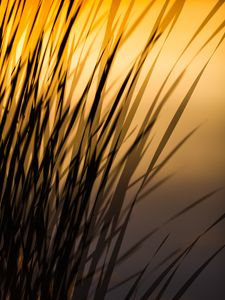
<point x="64" y="173"/>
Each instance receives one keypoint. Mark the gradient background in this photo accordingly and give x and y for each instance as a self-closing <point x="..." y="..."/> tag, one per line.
<point x="199" y="166"/>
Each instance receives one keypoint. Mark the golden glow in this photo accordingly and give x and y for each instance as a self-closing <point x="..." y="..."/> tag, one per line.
<point x="208" y="99"/>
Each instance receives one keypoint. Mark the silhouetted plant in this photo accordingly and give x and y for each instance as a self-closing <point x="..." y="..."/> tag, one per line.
<point x="67" y="162"/>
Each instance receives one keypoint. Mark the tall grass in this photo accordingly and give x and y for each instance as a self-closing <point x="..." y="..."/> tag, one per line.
<point x="69" y="151"/>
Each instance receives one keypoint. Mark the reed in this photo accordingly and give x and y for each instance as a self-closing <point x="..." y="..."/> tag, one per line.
<point x="69" y="151"/>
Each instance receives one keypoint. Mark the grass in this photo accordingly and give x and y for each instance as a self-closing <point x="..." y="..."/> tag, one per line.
<point x="68" y="160"/>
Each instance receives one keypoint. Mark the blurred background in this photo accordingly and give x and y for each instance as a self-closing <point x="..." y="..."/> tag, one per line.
<point x="198" y="167"/>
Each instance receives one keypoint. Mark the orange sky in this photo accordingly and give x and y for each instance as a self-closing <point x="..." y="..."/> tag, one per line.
<point x="207" y="103"/>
